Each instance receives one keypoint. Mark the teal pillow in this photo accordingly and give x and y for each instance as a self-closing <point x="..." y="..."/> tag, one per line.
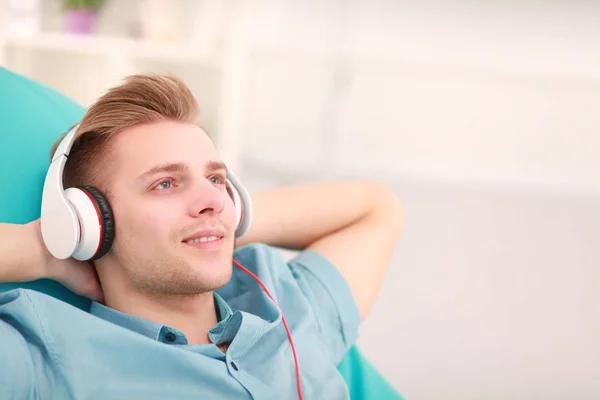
<point x="363" y="379"/>
<point x="32" y="118"/>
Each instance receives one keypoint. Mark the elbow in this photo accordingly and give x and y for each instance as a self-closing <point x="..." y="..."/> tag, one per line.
<point x="388" y="207"/>
<point x="396" y="211"/>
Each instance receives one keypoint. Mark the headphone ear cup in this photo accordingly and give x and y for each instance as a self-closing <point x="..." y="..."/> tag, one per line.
<point x="107" y="221"/>
<point x="106" y="218"/>
<point x="243" y="204"/>
<point x="96" y="222"/>
<point x="237" y="202"/>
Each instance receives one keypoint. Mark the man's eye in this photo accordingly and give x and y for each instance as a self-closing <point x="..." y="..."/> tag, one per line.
<point x="164" y="185"/>
<point x="218" y="180"/>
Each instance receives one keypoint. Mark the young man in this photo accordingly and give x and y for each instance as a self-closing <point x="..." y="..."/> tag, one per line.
<point x="173" y="317"/>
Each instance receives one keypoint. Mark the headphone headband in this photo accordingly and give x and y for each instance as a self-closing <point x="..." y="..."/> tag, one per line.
<point x="65" y="145"/>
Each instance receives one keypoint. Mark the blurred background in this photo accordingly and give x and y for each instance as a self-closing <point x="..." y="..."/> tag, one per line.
<point x="482" y="115"/>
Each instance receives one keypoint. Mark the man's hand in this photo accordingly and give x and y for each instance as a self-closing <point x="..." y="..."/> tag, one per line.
<point x="24" y="258"/>
<point x="78" y="276"/>
<point x="355" y="225"/>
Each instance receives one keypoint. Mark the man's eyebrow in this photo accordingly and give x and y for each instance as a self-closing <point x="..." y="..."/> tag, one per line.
<point x="171" y="168"/>
<point x="210" y="166"/>
<point x="215" y="166"/>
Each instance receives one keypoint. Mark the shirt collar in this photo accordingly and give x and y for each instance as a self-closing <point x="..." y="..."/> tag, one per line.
<point x="149" y="328"/>
<point x="223" y="309"/>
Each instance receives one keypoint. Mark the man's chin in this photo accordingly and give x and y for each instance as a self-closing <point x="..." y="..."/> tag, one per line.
<point x="213" y="270"/>
<point x="217" y="281"/>
<point x="197" y="281"/>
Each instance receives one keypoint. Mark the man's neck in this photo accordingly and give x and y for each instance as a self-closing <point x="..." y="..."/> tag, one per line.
<point x="194" y="315"/>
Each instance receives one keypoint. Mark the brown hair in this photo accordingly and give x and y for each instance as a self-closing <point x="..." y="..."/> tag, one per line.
<point x="140" y="99"/>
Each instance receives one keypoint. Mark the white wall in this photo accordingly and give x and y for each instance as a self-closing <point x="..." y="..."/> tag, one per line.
<point x="502" y="91"/>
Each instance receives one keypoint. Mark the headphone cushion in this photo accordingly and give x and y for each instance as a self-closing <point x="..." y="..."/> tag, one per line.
<point x="243" y="204"/>
<point x="106" y="218"/>
<point x="232" y="192"/>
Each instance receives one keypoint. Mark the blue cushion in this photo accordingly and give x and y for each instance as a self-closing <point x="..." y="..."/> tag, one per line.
<point x="363" y="379"/>
<point x="32" y="118"/>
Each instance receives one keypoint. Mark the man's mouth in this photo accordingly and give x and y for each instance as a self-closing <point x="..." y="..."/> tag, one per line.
<point x="209" y="239"/>
<point x="203" y="239"/>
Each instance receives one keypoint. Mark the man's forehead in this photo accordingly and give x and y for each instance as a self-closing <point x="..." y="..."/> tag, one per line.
<point x="162" y="132"/>
<point x="143" y="147"/>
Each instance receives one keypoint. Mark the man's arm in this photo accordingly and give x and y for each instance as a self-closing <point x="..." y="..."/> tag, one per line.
<point x="17" y="378"/>
<point x="355" y="225"/>
<point x="24" y="258"/>
<point x="20" y="253"/>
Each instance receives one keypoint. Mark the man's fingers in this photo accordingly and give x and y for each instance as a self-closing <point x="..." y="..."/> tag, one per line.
<point x="79" y="277"/>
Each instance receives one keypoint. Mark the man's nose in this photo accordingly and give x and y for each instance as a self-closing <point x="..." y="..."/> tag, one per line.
<point x="207" y="199"/>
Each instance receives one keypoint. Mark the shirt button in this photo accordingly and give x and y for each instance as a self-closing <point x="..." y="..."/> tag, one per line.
<point x="233" y="365"/>
<point x="170" y="336"/>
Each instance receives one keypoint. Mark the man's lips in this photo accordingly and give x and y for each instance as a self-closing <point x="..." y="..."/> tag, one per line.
<point x="206" y="235"/>
<point x="210" y="239"/>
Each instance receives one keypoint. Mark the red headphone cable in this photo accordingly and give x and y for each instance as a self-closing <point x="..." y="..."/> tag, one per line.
<point x="287" y="329"/>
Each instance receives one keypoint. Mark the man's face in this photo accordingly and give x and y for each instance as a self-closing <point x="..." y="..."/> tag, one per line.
<point x="174" y="219"/>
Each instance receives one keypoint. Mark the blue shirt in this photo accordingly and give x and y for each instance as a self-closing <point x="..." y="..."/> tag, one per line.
<point x="52" y="350"/>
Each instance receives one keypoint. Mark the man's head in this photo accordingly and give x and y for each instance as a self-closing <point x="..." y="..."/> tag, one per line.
<point x="141" y="146"/>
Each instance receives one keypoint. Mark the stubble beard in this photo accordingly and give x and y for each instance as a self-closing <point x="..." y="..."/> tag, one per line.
<point x="174" y="277"/>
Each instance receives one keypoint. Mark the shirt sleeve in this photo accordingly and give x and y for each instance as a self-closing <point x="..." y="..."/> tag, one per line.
<point x="16" y="369"/>
<point x="330" y="298"/>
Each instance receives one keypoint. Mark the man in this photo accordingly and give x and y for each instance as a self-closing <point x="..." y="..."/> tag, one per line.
<point x="173" y="317"/>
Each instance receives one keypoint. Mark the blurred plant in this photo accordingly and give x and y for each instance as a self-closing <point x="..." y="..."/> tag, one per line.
<point x="82" y="4"/>
<point x="81" y="15"/>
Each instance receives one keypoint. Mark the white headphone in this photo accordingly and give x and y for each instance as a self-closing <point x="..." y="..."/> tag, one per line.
<point x="78" y="222"/>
